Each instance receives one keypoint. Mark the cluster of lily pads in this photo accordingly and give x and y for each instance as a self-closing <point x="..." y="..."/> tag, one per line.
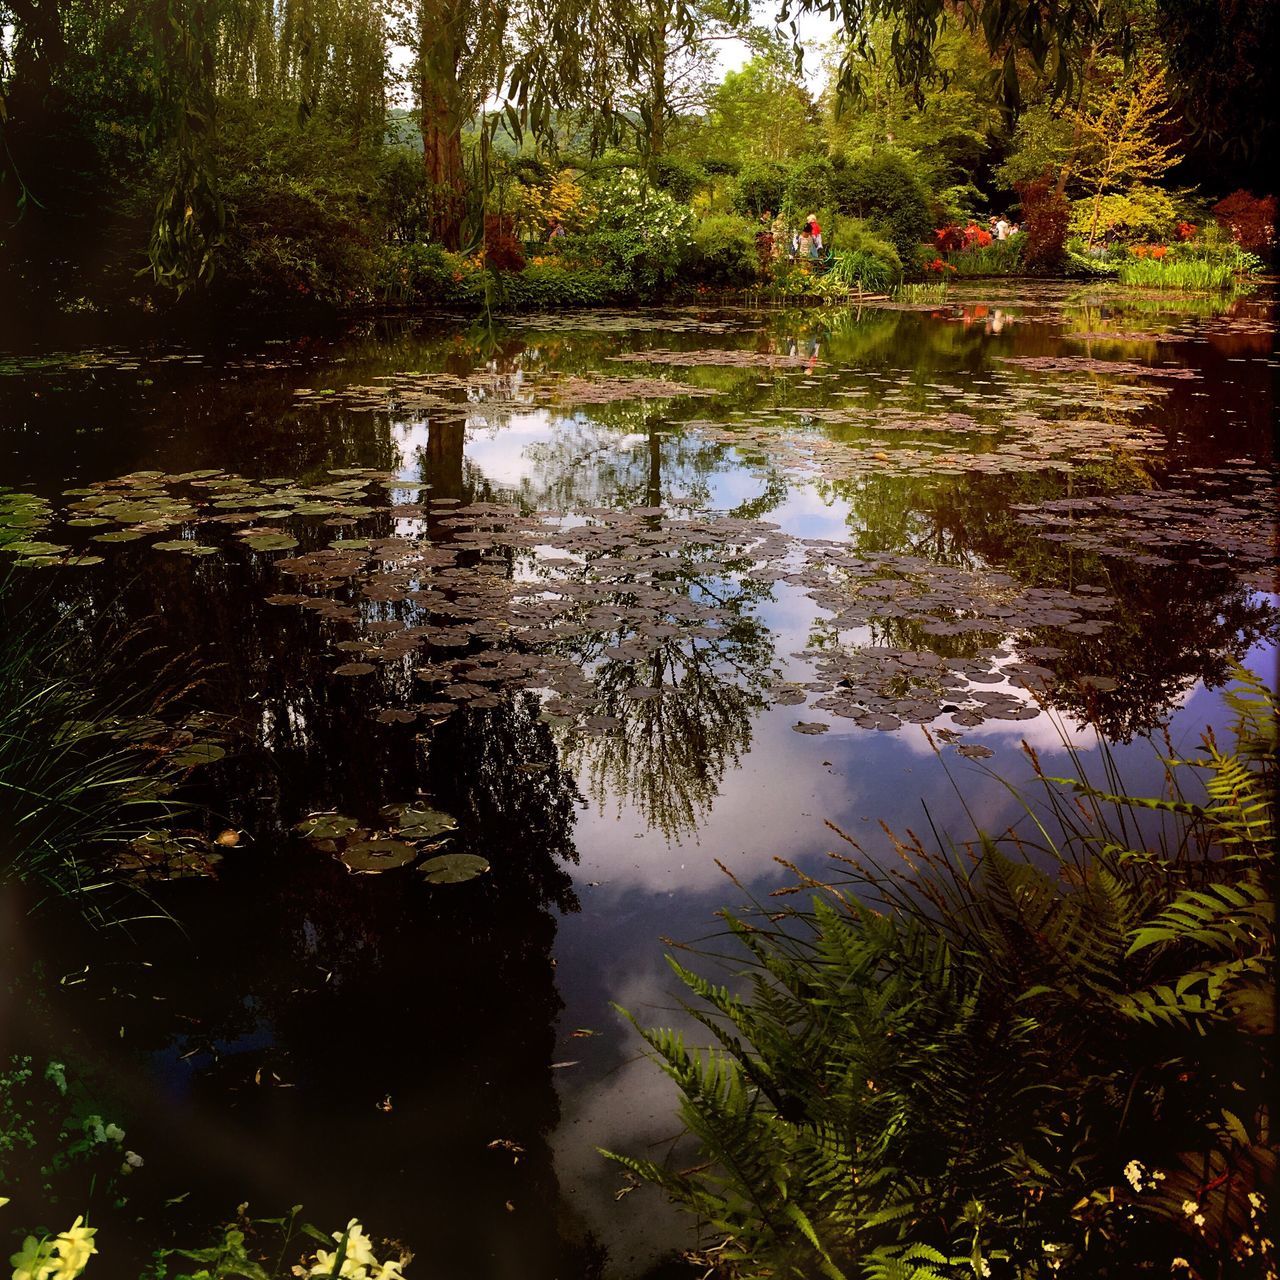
<point x="881" y="685"/>
<point x="619" y="586"/>
<point x="1007" y="425"/>
<point x="409" y="836"/>
<point x="1212" y="517"/>
<point x="449" y="396"/>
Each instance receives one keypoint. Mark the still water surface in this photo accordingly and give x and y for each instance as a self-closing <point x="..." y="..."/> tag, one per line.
<point x="625" y="596"/>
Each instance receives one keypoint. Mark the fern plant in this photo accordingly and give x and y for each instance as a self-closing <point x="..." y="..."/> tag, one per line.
<point x="1040" y="1053"/>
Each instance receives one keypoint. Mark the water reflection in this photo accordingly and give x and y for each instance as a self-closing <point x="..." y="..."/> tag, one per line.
<point x="587" y="629"/>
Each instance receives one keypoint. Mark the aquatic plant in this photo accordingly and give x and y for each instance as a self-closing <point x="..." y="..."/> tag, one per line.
<point x="1154" y="271"/>
<point x="83" y="773"/>
<point x="1044" y="1052"/>
<point x="921" y="293"/>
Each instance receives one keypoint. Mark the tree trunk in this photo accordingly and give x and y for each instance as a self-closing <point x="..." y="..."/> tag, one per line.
<point x="441" y="119"/>
<point x="658" y="101"/>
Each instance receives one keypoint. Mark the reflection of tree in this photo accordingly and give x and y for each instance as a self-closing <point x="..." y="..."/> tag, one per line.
<point x="357" y="1042"/>
<point x="675" y="709"/>
<point x="668" y="754"/>
<point x="1171" y="625"/>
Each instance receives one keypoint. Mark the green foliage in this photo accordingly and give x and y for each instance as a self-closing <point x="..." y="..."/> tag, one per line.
<point x="57" y="1153"/>
<point x="1140" y="213"/>
<point x="760" y="186"/>
<point x="861" y="261"/>
<point x="297" y="228"/>
<point x="1047" y="1052"/>
<point x="1177" y="273"/>
<point x="82" y="773"/>
<point x="885" y="189"/>
<point x="809" y="187"/>
<point x="640" y="235"/>
<point x="270" y="1249"/>
<point x="548" y="286"/>
<point x="762" y="112"/>
<point x="999" y="258"/>
<point x="678" y="177"/>
<point x="724" y="250"/>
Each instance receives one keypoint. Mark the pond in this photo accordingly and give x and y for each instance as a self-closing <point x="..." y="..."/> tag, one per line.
<point x="494" y="644"/>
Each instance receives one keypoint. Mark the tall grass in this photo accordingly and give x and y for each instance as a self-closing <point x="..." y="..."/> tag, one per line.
<point x="1178" y="273"/>
<point x="1000" y="258"/>
<point x="858" y="270"/>
<point x="921" y="293"/>
<point x="1044" y="1053"/>
<point x="82" y="773"/>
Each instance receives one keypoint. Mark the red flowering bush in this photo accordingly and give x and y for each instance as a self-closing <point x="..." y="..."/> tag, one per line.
<point x="949" y="239"/>
<point x="1250" y="219"/>
<point x="1186" y="230"/>
<point x="952" y="239"/>
<point x="1046" y="214"/>
<point x="938" y="266"/>
<point x="502" y="251"/>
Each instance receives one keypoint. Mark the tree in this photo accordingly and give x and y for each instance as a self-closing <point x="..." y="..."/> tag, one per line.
<point x="950" y="124"/>
<point x="1119" y="136"/>
<point x="763" y="112"/>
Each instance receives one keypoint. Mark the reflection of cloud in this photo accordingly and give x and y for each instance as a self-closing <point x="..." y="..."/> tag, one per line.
<point x="632" y="1111"/>
<point x="499" y="452"/>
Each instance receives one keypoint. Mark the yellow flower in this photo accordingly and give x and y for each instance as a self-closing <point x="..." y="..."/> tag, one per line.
<point x="75" y="1247"/>
<point x="32" y="1261"/>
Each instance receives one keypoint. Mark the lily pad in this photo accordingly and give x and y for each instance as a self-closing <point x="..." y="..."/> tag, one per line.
<point x="270" y="542"/>
<point x="36" y="548"/>
<point x="326" y="826"/>
<point x="419" y="822"/>
<point x="454" y="868"/>
<point x="197" y="754"/>
<point x="378" y="855"/>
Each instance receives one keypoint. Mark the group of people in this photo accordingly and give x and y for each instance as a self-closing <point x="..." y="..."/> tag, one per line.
<point x="775" y="239"/>
<point x="1002" y="228"/>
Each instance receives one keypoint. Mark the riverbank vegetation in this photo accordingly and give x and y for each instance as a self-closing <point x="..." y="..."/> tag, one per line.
<point x="236" y="155"/>
<point x="1046" y="1052"/>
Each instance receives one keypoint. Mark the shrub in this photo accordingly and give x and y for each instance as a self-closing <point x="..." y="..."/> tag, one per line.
<point x="1141" y="213"/>
<point x="679" y="178"/>
<point x="852" y="269"/>
<point x="297" y="231"/>
<point x="995" y="258"/>
<point x="401" y="198"/>
<point x="884" y="188"/>
<point x="426" y="274"/>
<point x="724" y="250"/>
<point x="640" y="234"/>
<point x="809" y="186"/>
<point x="761" y="185"/>
<point x="549" y="286"/>
<point x="502" y="251"/>
<point x="720" y="166"/>
<point x="1045" y="213"/>
<point x="1250" y="219"/>
<point x="1042" y="1053"/>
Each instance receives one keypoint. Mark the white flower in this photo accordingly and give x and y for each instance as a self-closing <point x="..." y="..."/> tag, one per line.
<point x="1179" y="1264"/>
<point x="1190" y="1208"/>
<point x="1134" y="1172"/>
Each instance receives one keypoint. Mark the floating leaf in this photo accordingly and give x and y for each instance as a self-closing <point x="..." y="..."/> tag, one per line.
<point x="419" y="823"/>
<point x="378" y="855"/>
<point x="270" y="542"/>
<point x="326" y="826"/>
<point x="197" y="754"/>
<point x="453" y="868"/>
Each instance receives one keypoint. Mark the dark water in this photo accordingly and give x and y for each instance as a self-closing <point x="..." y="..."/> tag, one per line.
<point x="618" y="635"/>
